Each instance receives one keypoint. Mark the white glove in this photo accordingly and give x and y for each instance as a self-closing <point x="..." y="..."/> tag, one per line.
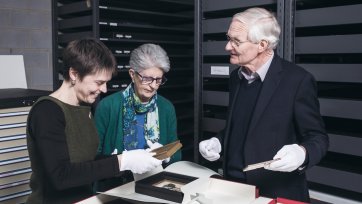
<point x="115" y="152"/>
<point x="155" y="145"/>
<point x="291" y="157"/>
<point x="138" y="161"/>
<point x="210" y="149"/>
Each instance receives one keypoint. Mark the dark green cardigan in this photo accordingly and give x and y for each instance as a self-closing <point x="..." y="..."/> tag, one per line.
<point x="109" y="123"/>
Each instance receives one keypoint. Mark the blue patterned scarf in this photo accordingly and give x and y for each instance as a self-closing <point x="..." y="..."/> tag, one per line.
<point x="132" y="106"/>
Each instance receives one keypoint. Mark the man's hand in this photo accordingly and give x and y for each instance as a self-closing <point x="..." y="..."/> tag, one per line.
<point x="210" y="149"/>
<point x="291" y="157"/>
<point x="155" y="145"/>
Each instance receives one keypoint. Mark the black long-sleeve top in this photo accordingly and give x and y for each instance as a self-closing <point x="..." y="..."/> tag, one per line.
<point x="62" y="144"/>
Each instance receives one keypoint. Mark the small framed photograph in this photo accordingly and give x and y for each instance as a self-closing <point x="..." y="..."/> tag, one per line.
<point x="164" y="185"/>
<point x="170" y="185"/>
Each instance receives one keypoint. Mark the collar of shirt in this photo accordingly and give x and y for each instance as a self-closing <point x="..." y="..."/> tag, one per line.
<point x="260" y="73"/>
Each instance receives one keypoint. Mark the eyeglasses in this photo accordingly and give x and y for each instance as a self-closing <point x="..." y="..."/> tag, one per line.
<point x="149" y="80"/>
<point x="234" y="42"/>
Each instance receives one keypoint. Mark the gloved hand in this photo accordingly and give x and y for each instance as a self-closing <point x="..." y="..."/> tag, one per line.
<point x="115" y="152"/>
<point x="291" y="157"/>
<point x="210" y="149"/>
<point x="138" y="161"/>
<point x="155" y="145"/>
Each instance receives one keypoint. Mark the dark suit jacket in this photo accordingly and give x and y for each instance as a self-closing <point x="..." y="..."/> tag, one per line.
<point x="286" y="112"/>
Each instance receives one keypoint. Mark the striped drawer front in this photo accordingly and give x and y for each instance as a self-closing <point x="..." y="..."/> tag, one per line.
<point x="12" y="131"/>
<point x="14" y="176"/>
<point x="15" y="168"/>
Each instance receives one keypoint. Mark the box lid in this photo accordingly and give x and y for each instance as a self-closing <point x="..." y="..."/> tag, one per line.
<point x="17" y="97"/>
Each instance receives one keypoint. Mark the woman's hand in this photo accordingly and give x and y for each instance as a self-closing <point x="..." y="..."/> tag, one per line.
<point x="156" y="145"/>
<point x="138" y="161"/>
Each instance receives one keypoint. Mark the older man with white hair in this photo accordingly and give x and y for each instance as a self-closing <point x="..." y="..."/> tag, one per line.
<point x="273" y="113"/>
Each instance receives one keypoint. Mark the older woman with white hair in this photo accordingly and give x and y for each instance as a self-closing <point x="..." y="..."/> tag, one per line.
<point x="138" y="117"/>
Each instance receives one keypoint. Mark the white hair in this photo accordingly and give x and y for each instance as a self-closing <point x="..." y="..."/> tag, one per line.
<point x="261" y="24"/>
<point x="148" y="56"/>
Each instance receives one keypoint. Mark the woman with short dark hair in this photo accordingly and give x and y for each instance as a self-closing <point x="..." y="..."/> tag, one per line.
<point x="61" y="135"/>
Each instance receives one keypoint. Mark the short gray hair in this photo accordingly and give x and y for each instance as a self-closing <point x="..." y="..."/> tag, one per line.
<point x="149" y="55"/>
<point x="261" y="24"/>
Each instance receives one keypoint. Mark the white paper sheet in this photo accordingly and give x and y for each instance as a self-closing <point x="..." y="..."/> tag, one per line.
<point x="190" y="169"/>
<point x="219" y="191"/>
<point x="12" y="72"/>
